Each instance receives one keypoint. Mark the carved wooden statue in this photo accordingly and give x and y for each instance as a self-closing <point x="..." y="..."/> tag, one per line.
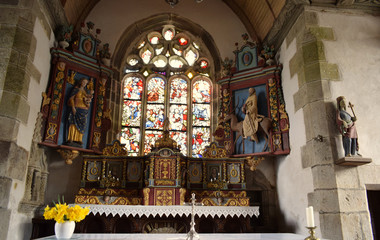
<point x="346" y="125"/>
<point x="251" y="120"/>
<point x="264" y="126"/>
<point x="79" y="103"/>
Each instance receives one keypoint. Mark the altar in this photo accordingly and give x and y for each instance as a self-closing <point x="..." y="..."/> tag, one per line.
<point x="246" y="236"/>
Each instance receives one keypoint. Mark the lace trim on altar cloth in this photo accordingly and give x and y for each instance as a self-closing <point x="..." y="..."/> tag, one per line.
<point x="140" y="211"/>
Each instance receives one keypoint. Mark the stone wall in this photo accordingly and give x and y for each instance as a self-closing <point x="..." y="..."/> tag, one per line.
<point x="356" y="51"/>
<point x="23" y="28"/>
<point x="320" y="65"/>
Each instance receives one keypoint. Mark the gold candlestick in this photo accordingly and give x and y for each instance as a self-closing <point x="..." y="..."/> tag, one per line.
<point x="312" y="234"/>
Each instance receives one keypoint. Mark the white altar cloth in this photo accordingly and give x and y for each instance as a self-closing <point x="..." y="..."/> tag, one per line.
<point x="180" y="210"/>
<point x="214" y="236"/>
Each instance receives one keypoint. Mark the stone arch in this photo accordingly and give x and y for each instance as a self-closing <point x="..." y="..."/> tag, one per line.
<point x="136" y="31"/>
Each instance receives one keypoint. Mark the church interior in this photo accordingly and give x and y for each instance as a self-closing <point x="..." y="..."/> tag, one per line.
<point x="247" y="111"/>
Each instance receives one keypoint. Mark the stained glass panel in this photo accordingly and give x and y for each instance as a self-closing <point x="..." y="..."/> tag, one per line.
<point x="150" y="139"/>
<point x="154" y="116"/>
<point x="131" y="70"/>
<point x="182" y="41"/>
<point x="201" y="92"/>
<point x="180" y="138"/>
<point x="178" y="91"/>
<point x="201" y="139"/>
<point x="156" y="91"/>
<point x="146" y="56"/>
<point x="191" y="57"/>
<point x="178" y="117"/>
<point x="142" y="44"/>
<point x="204" y="64"/>
<point x="133" y="87"/>
<point x="177" y="52"/>
<point x="168" y="35"/>
<point x="131" y="138"/>
<point x="154" y="40"/>
<point x="175" y="63"/>
<point x="159" y="62"/>
<point x="131" y="113"/>
<point x="133" y="61"/>
<point x="159" y="50"/>
<point x="201" y="114"/>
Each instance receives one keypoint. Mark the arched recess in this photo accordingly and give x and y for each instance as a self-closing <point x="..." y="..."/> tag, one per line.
<point x="137" y="31"/>
<point x="133" y="33"/>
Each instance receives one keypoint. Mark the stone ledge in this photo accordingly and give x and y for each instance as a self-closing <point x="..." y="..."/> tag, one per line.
<point x="353" y="161"/>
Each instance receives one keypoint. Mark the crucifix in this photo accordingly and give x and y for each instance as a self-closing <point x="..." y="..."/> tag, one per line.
<point x="192" y="234"/>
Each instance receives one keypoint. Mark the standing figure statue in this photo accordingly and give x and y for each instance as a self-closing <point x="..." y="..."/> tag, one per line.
<point x="166" y="125"/>
<point x="79" y="103"/>
<point x="252" y="119"/>
<point x="347" y="128"/>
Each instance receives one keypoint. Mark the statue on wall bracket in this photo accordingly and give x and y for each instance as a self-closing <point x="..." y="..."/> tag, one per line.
<point x="347" y="127"/>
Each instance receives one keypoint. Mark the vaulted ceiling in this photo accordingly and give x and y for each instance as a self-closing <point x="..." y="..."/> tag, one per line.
<point x="258" y="16"/>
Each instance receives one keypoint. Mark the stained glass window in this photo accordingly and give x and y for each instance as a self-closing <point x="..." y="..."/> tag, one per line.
<point x="166" y="83"/>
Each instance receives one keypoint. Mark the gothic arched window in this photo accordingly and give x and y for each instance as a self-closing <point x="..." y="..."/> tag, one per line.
<point x="166" y="76"/>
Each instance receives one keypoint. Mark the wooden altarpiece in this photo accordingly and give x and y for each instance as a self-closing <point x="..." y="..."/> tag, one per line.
<point x="71" y="63"/>
<point x="253" y="69"/>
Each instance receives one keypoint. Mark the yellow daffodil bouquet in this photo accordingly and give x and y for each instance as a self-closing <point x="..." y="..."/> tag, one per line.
<point x="61" y="212"/>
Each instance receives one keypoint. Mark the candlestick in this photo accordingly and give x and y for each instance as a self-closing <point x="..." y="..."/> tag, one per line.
<point x="192" y="234"/>
<point x="312" y="234"/>
<point x="310" y="217"/>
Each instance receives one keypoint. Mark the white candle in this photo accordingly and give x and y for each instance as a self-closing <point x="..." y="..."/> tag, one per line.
<point x="310" y="216"/>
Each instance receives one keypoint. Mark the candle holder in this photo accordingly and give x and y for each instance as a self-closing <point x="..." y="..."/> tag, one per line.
<point x="312" y="234"/>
